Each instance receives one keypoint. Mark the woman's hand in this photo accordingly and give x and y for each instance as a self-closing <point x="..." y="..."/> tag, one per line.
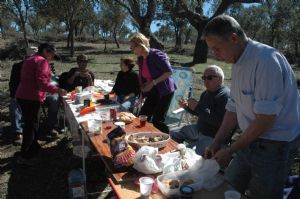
<point x="147" y="87"/>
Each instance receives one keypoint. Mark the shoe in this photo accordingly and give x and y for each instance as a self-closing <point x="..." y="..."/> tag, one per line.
<point x="27" y="161"/>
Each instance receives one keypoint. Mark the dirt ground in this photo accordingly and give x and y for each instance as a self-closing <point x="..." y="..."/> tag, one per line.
<point x="49" y="178"/>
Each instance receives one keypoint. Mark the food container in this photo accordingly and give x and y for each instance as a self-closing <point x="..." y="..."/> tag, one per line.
<point x="158" y="140"/>
<point x="169" y="184"/>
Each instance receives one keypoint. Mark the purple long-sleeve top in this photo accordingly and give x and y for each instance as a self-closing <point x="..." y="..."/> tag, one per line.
<point x="158" y="64"/>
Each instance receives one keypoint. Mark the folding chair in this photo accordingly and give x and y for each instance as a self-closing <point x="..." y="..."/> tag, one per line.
<point x="176" y="116"/>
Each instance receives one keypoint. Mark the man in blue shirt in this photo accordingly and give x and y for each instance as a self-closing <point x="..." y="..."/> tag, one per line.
<point x="265" y="102"/>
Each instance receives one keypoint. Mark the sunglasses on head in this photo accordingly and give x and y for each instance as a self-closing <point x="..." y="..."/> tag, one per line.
<point x="208" y="77"/>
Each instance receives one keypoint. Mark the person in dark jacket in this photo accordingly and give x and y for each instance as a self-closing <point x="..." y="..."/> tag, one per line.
<point x="155" y="78"/>
<point x="15" y="112"/>
<point x="80" y="76"/>
<point x="14" y="108"/>
<point x="127" y="84"/>
<point x="210" y="110"/>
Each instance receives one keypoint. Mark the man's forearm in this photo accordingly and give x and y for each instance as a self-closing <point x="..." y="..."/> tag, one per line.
<point x="258" y="126"/>
<point x="228" y="124"/>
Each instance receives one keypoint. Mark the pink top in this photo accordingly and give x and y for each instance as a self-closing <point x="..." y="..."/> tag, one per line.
<point x="145" y="71"/>
<point x="35" y="79"/>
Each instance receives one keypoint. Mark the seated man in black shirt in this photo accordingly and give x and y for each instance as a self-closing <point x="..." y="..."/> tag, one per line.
<point x="210" y="111"/>
<point x="80" y="76"/>
<point x="127" y="84"/>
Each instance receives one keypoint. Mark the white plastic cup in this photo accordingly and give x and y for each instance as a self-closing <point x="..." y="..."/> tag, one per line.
<point x="95" y="126"/>
<point x="146" y="184"/>
<point x="231" y="194"/>
<point x="120" y="124"/>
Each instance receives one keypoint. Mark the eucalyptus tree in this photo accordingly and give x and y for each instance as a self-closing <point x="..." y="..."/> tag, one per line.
<point x="6" y="19"/>
<point x="116" y="16"/>
<point x="192" y="10"/>
<point x="69" y="12"/>
<point x="143" y="13"/>
<point x="20" y="10"/>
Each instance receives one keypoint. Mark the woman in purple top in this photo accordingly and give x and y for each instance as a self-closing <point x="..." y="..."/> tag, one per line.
<point x="156" y="83"/>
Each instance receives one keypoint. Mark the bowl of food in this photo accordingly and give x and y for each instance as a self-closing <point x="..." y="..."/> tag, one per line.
<point x="154" y="139"/>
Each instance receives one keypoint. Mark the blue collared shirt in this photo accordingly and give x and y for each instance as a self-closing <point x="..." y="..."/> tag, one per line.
<point x="263" y="82"/>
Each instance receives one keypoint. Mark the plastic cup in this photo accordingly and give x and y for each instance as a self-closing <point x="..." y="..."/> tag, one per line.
<point x="146" y="184"/>
<point x="95" y="127"/>
<point x="120" y="124"/>
<point x="231" y="194"/>
<point x="143" y="119"/>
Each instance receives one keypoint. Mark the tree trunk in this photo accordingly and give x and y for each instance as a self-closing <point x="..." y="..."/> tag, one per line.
<point x="72" y="39"/>
<point x="200" y="51"/>
<point x="115" y="37"/>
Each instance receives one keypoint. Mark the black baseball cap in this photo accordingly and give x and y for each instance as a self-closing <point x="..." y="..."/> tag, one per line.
<point x="49" y="47"/>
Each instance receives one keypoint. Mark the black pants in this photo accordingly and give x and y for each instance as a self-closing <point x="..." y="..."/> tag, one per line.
<point x="156" y="107"/>
<point x="31" y="118"/>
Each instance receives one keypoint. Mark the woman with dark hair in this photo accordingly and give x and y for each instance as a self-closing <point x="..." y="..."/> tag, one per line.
<point x="127" y="83"/>
<point x="31" y="92"/>
<point x="155" y="77"/>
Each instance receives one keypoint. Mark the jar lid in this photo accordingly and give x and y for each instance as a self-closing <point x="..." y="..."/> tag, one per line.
<point x="186" y="189"/>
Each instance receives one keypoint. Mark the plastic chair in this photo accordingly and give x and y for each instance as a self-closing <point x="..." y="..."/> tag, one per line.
<point x="176" y="116"/>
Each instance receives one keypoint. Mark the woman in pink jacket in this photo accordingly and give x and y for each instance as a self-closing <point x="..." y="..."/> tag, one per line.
<point x="31" y="92"/>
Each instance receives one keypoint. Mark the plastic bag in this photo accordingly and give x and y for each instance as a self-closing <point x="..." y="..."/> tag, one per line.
<point x="147" y="161"/>
<point x="203" y="174"/>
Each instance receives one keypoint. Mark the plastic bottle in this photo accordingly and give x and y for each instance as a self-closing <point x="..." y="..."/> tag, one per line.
<point x="77" y="184"/>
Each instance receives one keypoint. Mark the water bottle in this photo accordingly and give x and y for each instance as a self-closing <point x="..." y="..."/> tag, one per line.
<point x="77" y="184"/>
<point x="190" y="92"/>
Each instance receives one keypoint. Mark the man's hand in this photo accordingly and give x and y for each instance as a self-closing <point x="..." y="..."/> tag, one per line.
<point x="192" y="103"/>
<point x="61" y="92"/>
<point x="223" y="157"/>
<point x="183" y="103"/>
<point x="211" y="150"/>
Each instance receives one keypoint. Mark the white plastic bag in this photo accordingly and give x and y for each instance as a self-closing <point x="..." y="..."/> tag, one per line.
<point x="204" y="173"/>
<point x="147" y="161"/>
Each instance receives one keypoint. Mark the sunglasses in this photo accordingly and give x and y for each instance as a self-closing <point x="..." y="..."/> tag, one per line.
<point x="208" y="77"/>
<point x="82" y="61"/>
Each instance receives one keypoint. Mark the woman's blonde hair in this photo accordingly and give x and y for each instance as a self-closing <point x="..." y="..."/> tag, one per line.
<point x="139" y="40"/>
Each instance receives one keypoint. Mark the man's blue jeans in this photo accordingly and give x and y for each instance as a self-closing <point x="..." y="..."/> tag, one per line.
<point x="52" y="102"/>
<point x="15" y="114"/>
<point x="262" y="168"/>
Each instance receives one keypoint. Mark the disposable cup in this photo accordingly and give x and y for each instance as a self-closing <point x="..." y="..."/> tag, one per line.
<point x="120" y="124"/>
<point x="143" y="119"/>
<point x="95" y="126"/>
<point x="231" y="194"/>
<point x="146" y="184"/>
